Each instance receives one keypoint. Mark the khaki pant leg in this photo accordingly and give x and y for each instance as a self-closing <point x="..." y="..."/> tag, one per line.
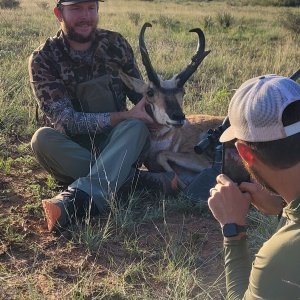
<point x="115" y="163"/>
<point x="60" y="156"/>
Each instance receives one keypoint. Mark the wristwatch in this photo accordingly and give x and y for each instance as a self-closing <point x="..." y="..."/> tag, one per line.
<point x="233" y="229"/>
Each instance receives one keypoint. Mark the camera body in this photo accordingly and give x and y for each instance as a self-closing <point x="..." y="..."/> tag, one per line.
<point x="232" y="164"/>
<point x="211" y="146"/>
<point x="225" y="157"/>
<point x="211" y="139"/>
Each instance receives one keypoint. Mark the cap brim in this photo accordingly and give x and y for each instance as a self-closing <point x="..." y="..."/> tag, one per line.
<point x="75" y="2"/>
<point x="227" y="135"/>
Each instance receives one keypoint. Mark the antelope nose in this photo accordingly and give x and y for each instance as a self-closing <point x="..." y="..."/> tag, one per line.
<point x="178" y="116"/>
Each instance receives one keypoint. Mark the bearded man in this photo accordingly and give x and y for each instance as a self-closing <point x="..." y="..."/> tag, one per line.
<point x="94" y="142"/>
<point x="265" y="122"/>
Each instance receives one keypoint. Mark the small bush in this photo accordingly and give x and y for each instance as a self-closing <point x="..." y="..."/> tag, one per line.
<point x="225" y="19"/>
<point x="264" y="2"/>
<point x="291" y="21"/>
<point x="208" y="22"/>
<point x="134" y="18"/>
<point x="9" y="3"/>
<point x="167" y="22"/>
<point x="284" y="2"/>
<point x="44" y="5"/>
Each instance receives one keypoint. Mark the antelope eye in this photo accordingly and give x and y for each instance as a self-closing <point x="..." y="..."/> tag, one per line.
<point x="150" y="93"/>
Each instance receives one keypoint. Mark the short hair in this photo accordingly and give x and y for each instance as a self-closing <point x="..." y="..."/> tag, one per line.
<point x="283" y="153"/>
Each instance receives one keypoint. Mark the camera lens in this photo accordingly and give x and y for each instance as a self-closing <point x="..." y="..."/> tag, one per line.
<point x="202" y="146"/>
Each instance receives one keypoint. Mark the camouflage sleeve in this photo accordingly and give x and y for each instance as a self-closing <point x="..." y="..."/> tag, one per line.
<point x="55" y="102"/>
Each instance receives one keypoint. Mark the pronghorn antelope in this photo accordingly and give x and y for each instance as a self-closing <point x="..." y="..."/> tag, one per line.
<point x="172" y="143"/>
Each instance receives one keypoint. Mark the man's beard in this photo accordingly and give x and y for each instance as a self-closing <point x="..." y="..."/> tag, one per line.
<point x="72" y="35"/>
<point x="255" y="175"/>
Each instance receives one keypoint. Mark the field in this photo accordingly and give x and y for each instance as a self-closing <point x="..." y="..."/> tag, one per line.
<point x="148" y="247"/>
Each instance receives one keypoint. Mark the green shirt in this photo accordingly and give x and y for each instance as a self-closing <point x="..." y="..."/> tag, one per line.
<point x="275" y="272"/>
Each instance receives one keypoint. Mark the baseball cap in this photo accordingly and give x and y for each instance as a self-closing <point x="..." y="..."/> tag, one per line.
<point x="255" y="110"/>
<point x="62" y="2"/>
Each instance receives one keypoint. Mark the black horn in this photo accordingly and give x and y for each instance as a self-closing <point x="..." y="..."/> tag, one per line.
<point x="296" y="75"/>
<point x="152" y="76"/>
<point x="196" y="59"/>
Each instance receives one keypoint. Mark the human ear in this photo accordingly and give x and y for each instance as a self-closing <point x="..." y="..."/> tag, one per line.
<point x="58" y="14"/>
<point x="245" y="152"/>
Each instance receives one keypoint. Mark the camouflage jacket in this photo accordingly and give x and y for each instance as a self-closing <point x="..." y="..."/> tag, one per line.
<point x="55" y="70"/>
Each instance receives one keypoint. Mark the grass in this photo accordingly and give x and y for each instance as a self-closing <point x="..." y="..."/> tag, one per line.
<point x="261" y="228"/>
<point x="148" y="247"/>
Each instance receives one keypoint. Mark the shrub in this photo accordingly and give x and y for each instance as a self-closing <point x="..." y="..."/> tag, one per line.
<point x="208" y="22"/>
<point x="291" y="21"/>
<point x="167" y="22"/>
<point x="9" y="3"/>
<point x="225" y="19"/>
<point x="134" y="18"/>
<point x="265" y="2"/>
<point x="44" y="5"/>
<point x="285" y="2"/>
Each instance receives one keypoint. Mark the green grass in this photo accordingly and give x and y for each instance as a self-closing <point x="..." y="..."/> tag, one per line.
<point x="255" y="35"/>
<point x="148" y="247"/>
<point x="261" y="228"/>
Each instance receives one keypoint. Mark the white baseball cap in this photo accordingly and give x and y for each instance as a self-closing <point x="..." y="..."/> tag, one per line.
<point x="255" y="110"/>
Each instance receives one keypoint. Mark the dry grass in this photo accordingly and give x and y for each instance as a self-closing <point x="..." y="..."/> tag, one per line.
<point x="155" y="248"/>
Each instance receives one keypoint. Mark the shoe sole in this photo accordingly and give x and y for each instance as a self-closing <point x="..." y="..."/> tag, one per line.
<point x="52" y="213"/>
<point x="175" y="183"/>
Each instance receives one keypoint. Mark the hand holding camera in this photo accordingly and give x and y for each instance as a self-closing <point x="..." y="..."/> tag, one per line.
<point x="223" y="202"/>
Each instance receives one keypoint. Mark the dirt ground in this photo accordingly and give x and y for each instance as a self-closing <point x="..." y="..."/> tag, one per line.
<point x="36" y="264"/>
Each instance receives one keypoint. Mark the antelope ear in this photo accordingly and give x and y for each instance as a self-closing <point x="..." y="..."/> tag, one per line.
<point x="132" y="83"/>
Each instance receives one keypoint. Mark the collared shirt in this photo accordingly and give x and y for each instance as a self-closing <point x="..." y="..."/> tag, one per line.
<point x="55" y="70"/>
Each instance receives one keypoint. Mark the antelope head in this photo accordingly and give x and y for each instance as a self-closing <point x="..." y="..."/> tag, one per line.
<point x="164" y="98"/>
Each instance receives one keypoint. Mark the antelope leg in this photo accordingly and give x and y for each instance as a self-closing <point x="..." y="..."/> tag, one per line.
<point x="189" y="161"/>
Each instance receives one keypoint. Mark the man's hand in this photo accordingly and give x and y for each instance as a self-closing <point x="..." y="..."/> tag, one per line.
<point x="262" y="199"/>
<point x="139" y="112"/>
<point x="227" y="203"/>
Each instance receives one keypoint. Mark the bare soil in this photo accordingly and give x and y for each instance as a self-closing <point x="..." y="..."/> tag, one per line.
<point x="53" y="263"/>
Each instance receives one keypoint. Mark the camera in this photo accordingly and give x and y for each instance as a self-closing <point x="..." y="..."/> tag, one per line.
<point x="211" y="139"/>
<point x="232" y="164"/>
<point x="225" y="157"/>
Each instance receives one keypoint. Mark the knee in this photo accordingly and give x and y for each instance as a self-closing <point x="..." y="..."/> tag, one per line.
<point x="41" y="139"/>
<point x="138" y="126"/>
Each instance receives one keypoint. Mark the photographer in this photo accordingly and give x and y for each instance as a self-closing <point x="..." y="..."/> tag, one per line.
<point x="265" y="121"/>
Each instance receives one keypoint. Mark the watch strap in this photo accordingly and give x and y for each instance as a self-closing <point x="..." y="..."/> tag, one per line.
<point x="233" y="229"/>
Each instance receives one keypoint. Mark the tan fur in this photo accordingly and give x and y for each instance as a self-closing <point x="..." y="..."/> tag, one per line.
<point x="172" y="148"/>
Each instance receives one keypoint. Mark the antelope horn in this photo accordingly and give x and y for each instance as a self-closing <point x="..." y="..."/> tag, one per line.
<point x="152" y="76"/>
<point x="200" y="54"/>
<point x="296" y="75"/>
